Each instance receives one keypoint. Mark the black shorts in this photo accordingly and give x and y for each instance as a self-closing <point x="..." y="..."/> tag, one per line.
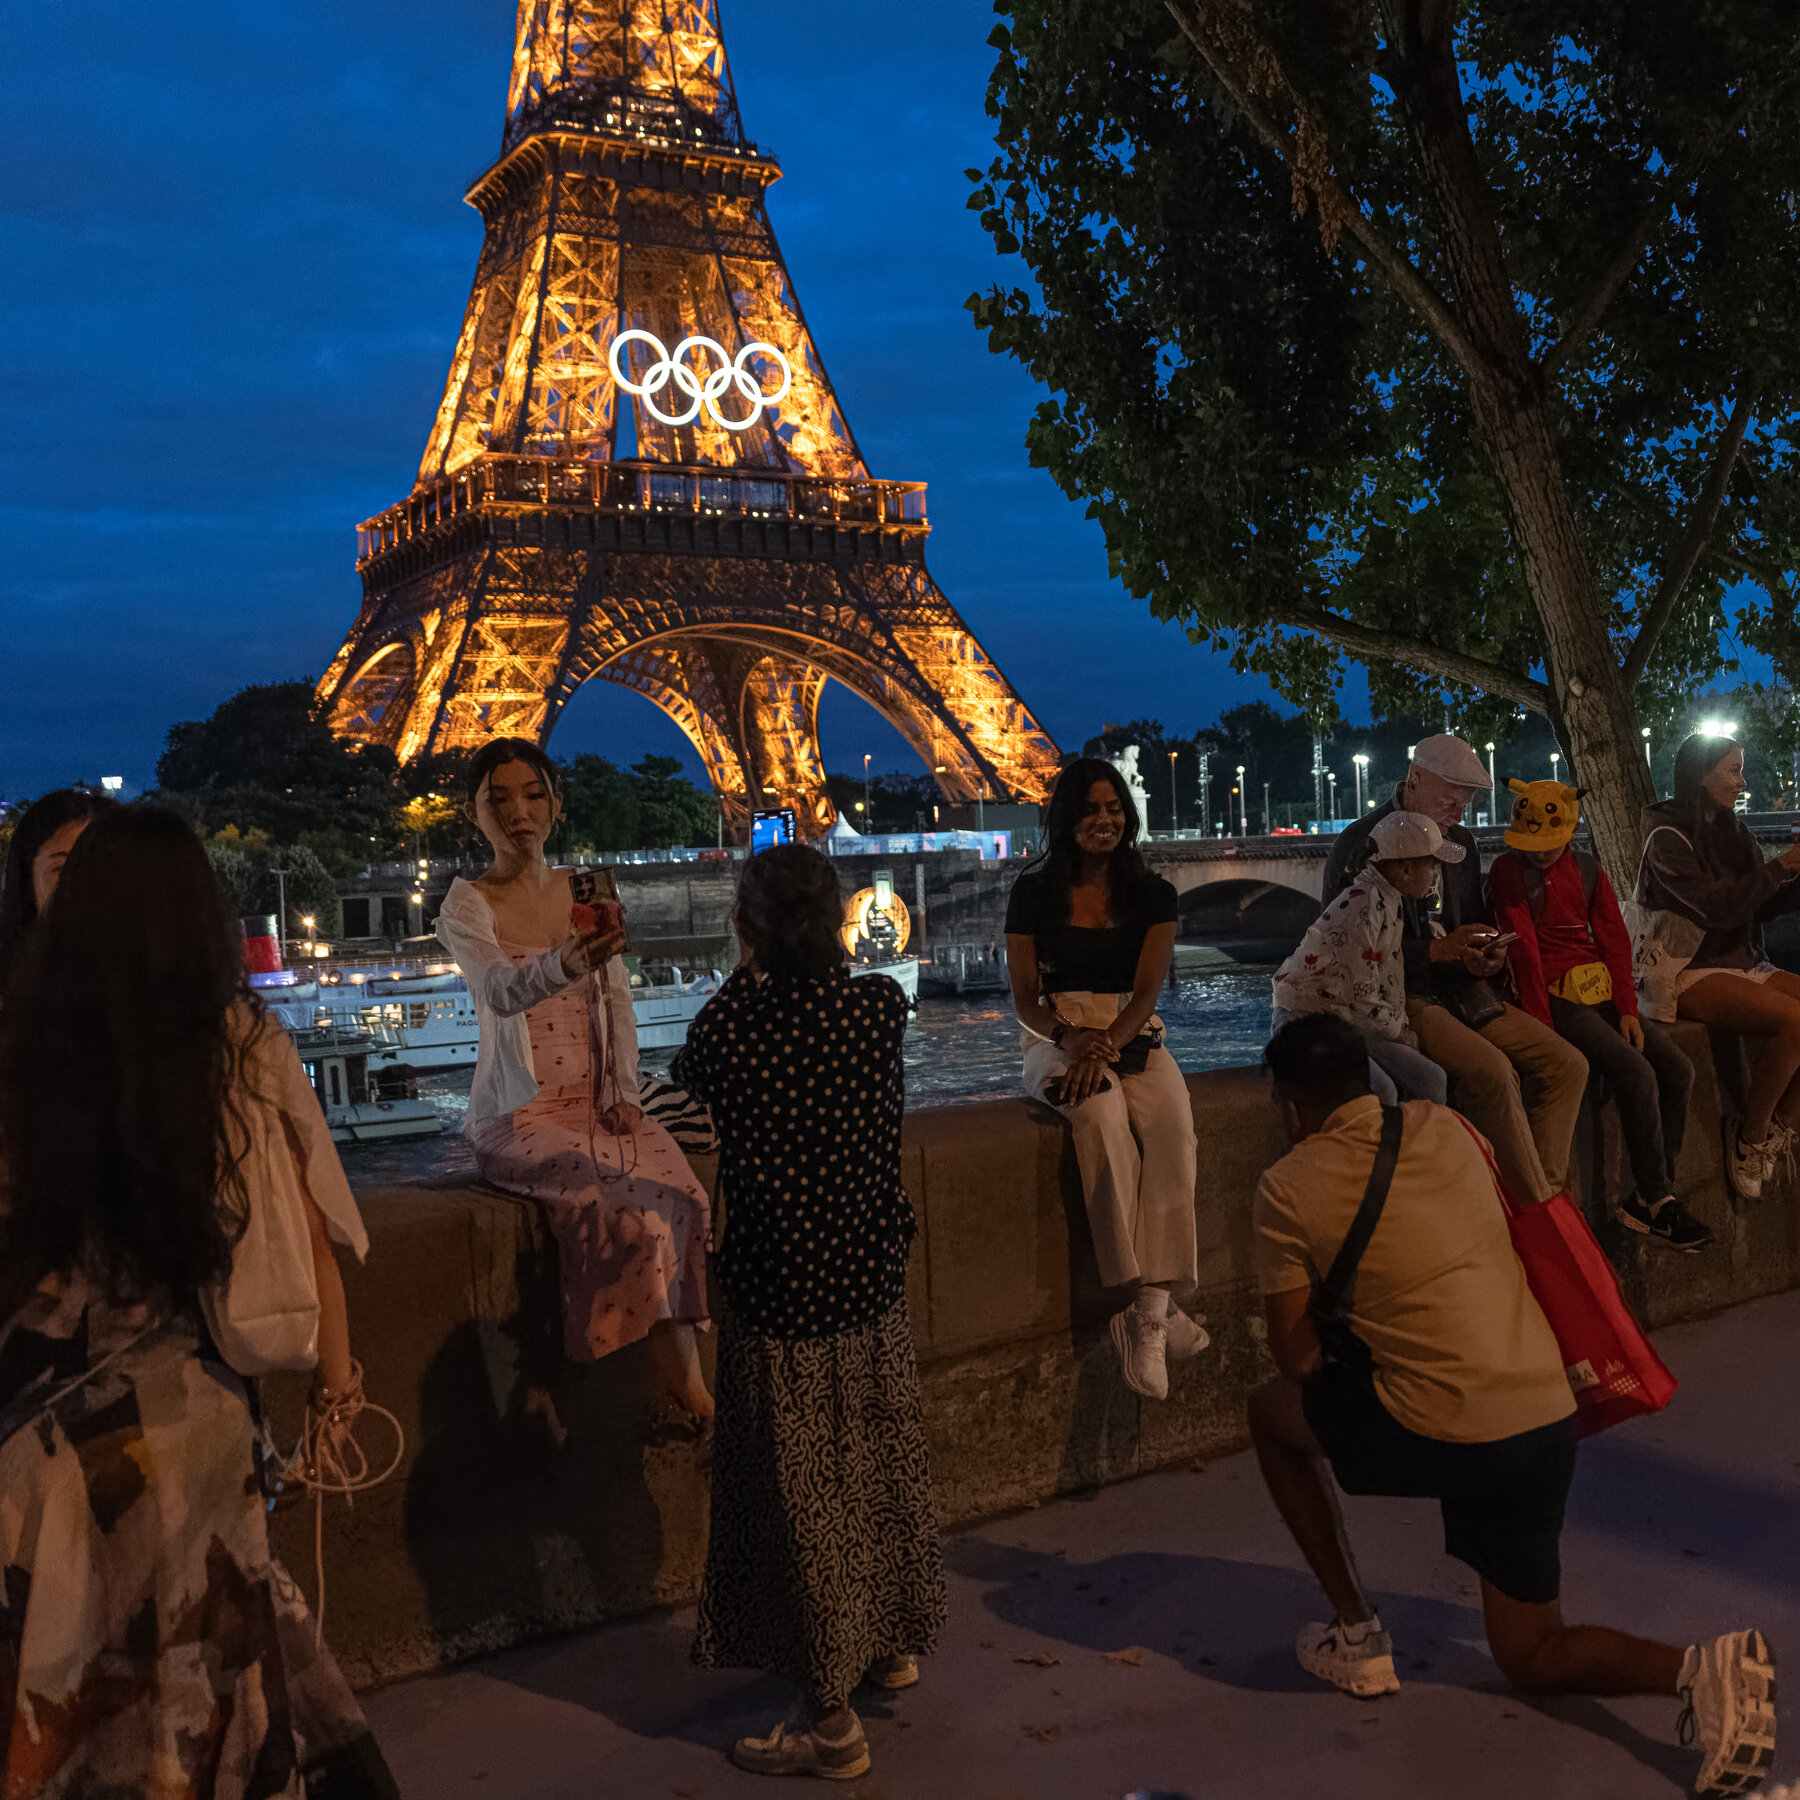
<point x="1502" y="1502"/>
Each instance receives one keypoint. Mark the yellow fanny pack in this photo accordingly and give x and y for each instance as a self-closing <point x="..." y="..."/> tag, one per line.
<point x="1587" y="984"/>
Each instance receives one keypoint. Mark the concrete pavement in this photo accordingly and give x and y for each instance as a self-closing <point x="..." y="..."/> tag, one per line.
<point x="1140" y="1639"/>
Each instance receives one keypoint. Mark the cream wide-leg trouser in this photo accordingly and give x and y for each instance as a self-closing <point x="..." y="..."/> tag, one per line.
<point x="1135" y="1145"/>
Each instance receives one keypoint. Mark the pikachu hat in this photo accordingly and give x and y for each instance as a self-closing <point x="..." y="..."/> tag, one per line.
<point x="1544" y="815"/>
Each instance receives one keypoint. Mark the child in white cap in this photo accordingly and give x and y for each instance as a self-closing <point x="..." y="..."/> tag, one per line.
<point x="1350" y="961"/>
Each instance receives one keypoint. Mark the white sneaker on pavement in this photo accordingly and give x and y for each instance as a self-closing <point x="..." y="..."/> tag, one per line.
<point x="1187" y="1337"/>
<point x="1143" y="1347"/>
<point x="1364" y="1669"/>
<point x="1729" y="1687"/>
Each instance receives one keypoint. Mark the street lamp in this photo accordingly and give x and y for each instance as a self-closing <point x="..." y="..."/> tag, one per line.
<point x="867" y="810"/>
<point x="1719" y="727"/>
<point x="1362" y="765"/>
<point x="1174" y="804"/>
<point x="1646" y="746"/>
<point x="1265" y="809"/>
<point x="1243" y="813"/>
<point x="1555" y="758"/>
<point x="1206" y="793"/>
<point x="1331" y="777"/>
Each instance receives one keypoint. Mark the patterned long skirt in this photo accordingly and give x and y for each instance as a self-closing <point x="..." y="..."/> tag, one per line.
<point x="150" y="1645"/>
<point x="824" y="1554"/>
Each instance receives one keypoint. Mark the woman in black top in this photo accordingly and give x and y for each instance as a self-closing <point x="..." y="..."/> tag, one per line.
<point x="823" y="1563"/>
<point x="1090" y="933"/>
<point x="1702" y="863"/>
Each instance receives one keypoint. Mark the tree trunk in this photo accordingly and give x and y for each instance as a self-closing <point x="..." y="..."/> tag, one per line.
<point x="1590" y="701"/>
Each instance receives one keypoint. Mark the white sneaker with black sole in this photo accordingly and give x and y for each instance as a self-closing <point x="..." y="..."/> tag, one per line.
<point x="1364" y="1667"/>
<point x="1143" y="1347"/>
<point x="1729" y="1688"/>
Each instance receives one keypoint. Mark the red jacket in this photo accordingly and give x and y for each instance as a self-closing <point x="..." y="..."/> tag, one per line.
<point x="1565" y="933"/>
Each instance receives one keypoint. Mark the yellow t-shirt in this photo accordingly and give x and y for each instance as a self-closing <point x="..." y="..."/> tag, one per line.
<point x="1462" y="1350"/>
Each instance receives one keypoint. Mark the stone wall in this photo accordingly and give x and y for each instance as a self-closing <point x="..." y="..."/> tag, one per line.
<point x="528" y="1505"/>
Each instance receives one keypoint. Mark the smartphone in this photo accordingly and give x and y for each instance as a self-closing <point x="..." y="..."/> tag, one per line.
<point x="597" y="906"/>
<point x="1500" y="940"/>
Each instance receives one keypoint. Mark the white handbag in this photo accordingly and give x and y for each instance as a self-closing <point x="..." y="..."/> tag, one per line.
<point x="1663" y="943"/>
<point x="265" y="1315"/>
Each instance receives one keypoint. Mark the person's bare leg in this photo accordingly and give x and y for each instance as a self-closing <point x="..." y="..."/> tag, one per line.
<point x="1787" y="1108"/>
<point x="675" y="1357"/>
<point x="1299" y="1482"/>
<point x="1537" y="1652"/>
<point x="1769" y="1010"/>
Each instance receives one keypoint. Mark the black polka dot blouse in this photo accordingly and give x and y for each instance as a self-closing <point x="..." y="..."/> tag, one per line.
<point x="805" y="1083"/>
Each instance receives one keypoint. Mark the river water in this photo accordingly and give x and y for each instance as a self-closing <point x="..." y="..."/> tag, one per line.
<point x="956" y="1051"/>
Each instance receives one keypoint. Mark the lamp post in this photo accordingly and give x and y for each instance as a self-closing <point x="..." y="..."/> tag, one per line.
<point x="1362" y="767"/>
<point x="1265" y="809"/>
<point x="868" y="810"/>
<point x="306" y="919"/>
<point x="1174" y="804"/>
<point x="281" y="876"/>
<point x="1243" y="805"/>
<point x="1331" y="778"/>
<point x="1555" y="758"/>
<point x="1318" y="773"/>
<point x="1206" y="793"/>
<point x="1646" y="746"/>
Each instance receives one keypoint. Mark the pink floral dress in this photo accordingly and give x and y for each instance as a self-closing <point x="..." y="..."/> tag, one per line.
<point x="630" y="1218"/>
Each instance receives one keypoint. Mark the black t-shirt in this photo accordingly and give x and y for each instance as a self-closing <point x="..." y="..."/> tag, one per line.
<point x="1074" y="959"/>
<point x="807" y="1090"/>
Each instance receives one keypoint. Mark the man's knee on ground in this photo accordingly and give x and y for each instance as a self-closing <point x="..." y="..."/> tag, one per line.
<point x="1518" y="1633"/>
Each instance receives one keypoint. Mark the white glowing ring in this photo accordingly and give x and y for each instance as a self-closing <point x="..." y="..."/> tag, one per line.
<point x="671" y="366"/>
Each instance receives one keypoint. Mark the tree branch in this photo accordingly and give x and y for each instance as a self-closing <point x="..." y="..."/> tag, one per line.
<point x="1405" y="280"/>
<point x="1587" y="315"/>
<point x="1702" y="517"/>
<point x="1450" y="665"/>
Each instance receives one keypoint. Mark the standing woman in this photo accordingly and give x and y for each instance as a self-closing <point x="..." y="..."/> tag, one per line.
<point x="824" y="1564"/>
<point x="1702" y="863"/>
<point x="553" y="1113"/>
<point x="150" y="1643"/>
<point x="40" y="845"/>
<point x="1090" y="934"/>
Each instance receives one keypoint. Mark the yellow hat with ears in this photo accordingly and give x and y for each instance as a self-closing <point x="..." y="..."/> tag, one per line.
<point x="1544" y="814"/>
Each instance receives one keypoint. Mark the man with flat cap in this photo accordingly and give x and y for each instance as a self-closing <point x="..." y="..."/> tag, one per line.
<point x="1514" y="1077"/>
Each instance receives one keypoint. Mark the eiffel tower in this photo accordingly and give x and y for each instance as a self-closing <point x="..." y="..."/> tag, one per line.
<point x="714" y="542"/>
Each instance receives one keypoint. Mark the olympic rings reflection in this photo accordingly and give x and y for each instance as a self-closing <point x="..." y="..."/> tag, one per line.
<point x="702" y="391"/>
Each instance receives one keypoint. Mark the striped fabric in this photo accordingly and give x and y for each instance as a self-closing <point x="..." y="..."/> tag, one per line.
<point x="678" y="1113"/>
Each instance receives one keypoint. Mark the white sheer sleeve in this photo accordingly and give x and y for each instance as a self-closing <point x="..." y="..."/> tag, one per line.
<point x="465" y="927"/>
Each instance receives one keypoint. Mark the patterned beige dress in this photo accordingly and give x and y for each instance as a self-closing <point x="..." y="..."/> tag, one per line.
<point x="630" y="1218"/>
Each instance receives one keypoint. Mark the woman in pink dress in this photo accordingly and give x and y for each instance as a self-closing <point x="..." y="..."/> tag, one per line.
<point x="553" y="1113"/>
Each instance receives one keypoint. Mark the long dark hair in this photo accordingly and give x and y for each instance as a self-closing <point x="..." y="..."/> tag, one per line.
<point x="42" y="820"/>
<point x="1062" y="855"/>
<point x="790" y="912"/>
<point x="119" y="1134"/>
<point x="504" y="750"/>
<point x="1714" y="830"/>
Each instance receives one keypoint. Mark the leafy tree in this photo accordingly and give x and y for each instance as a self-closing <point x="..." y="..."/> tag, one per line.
<point x="1460" y="340"/>
<point x="244" y="863"/>
<point x="600" y="805"/>
<point x="266" y="760"/>
<point x="671" y="810"/>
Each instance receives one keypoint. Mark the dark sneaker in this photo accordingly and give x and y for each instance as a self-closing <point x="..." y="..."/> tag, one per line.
<point x="794" y="1748"/>
<point x="1666" y="1220"/>
<point x="1729" y="1687"/>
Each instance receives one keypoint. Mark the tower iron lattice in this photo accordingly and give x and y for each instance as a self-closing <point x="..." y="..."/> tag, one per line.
<point x="639" y="470"/>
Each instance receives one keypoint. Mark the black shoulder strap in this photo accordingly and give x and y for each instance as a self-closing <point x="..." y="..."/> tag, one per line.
<point x="1589" y="865"/>
<point x="1330" y="1297"/>
<point x="1531" y="878"/>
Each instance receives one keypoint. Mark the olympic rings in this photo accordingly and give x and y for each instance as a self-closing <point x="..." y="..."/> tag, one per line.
<point x="671" y="366"/>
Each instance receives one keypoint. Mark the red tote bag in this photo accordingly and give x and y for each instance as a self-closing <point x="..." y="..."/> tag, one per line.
<point x="1614" y="1372"/>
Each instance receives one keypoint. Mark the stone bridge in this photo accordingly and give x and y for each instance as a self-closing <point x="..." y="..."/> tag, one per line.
<point x="1259" y="886"/>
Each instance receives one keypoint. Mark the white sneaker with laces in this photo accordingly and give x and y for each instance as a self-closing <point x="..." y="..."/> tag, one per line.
<point x="1364" y="1669"/>
<point x="1745" y="1164"/>
<point x="1187" y="1337"/>
<point x="1729" y="1687"/>
<point x="1143" y="1347"/>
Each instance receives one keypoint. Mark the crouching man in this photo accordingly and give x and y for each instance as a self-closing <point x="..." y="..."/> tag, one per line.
<point x="1442" y="1381"/>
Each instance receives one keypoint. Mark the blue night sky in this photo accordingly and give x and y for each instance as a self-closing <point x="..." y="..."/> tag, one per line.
<point x="235" y="259"/>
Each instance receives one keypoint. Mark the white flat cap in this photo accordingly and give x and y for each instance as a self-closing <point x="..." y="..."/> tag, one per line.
<point x="1412" y="834"/>
<point x="1451" y="759"/>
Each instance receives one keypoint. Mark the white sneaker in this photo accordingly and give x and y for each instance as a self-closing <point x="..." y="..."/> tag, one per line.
<point x="1746" y="1164"/>
<point x="1187" y="1337"/>
<point x="1729" y="1687"/>
<point x="1143" y="1347"/>
<point x="1364" y="1669"/>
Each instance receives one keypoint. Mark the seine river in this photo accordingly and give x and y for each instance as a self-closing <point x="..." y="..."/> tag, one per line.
<point x="956" y="1051"/>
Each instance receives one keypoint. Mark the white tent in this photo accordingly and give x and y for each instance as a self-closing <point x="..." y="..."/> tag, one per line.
<point x="843" y="829"/>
